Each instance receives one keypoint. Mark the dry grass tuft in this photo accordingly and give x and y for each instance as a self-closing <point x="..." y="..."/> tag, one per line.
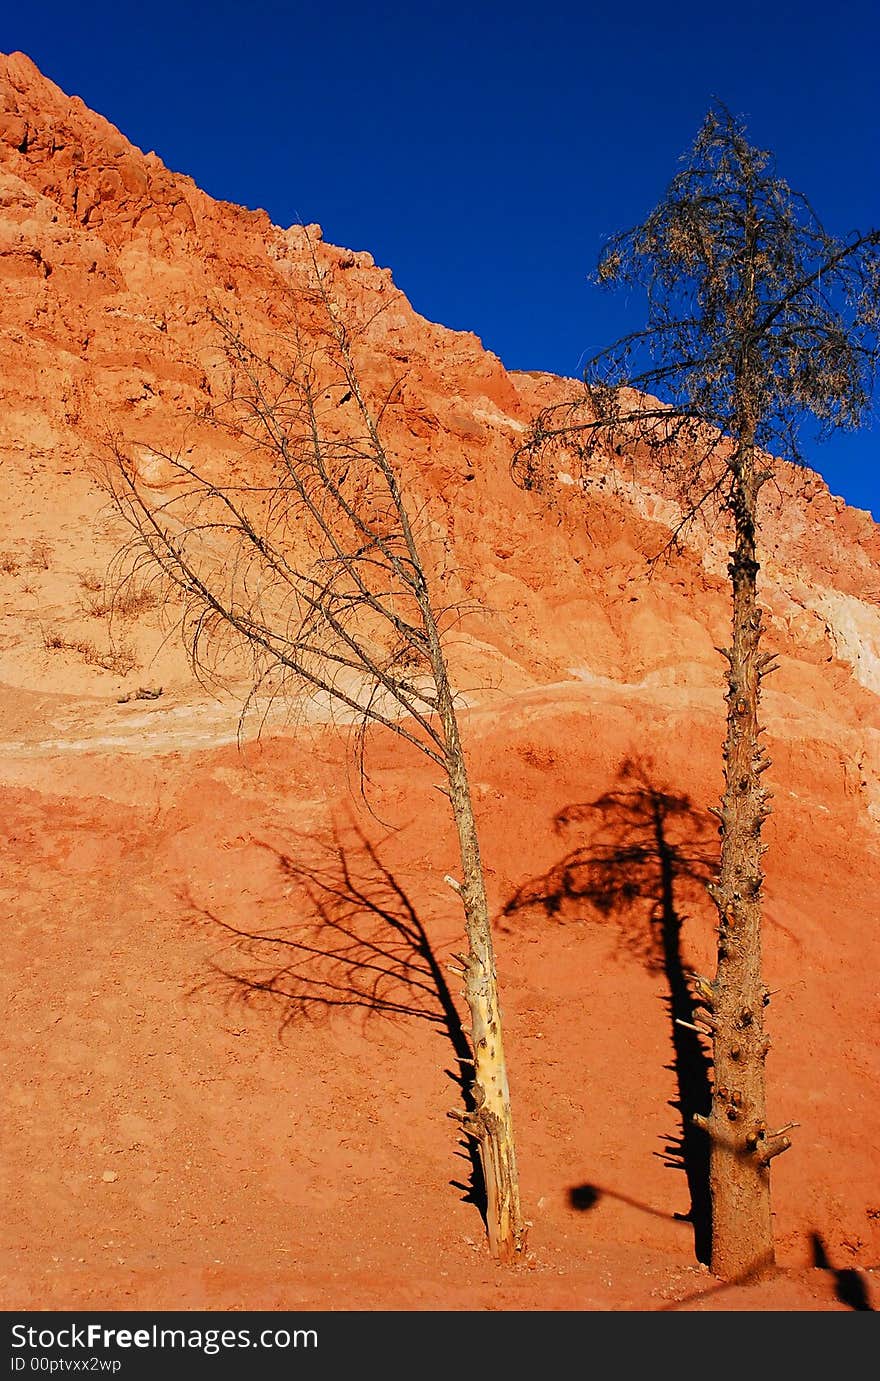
<point x="120" y="660"/>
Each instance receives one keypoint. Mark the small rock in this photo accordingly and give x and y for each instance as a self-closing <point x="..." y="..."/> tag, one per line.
<point x="109" y="1176"/>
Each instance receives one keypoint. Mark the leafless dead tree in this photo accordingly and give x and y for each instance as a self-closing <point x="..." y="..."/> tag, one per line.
<point x="757" y="318"/>
<point x="299" y="550"/>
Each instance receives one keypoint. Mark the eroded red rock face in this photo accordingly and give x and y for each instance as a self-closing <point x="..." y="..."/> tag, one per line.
<point x="138" y="834"/>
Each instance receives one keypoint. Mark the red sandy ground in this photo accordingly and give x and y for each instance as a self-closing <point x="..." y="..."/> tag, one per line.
<point x="261" y="1160"/>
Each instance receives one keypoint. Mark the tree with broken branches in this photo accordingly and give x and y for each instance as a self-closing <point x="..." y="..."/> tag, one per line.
<point x="757" y="319"/>
<point x="302" y="552"/>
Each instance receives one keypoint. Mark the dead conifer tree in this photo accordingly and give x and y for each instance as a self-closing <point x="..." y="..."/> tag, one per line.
<point x="300" y="550"/>
<point x="757" y="318"/>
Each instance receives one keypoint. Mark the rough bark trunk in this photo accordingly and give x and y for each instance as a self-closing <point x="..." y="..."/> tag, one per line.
<point x="741" y="1146"/>
<point x="490" y="1123"/>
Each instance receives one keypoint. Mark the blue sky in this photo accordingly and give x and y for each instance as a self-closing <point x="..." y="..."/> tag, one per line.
<point x="483" y="152"/>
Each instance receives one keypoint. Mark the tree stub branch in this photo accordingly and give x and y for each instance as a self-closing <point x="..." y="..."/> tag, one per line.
<point x="773" y="1146"/>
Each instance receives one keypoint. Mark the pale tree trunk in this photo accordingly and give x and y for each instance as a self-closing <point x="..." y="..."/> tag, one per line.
<point x="490" y="1122"/>
<point x="741" y="1146"/>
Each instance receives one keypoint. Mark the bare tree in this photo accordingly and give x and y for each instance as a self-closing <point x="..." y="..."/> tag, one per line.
<point x="299" y="550"/>
<point x="757" y="318"/>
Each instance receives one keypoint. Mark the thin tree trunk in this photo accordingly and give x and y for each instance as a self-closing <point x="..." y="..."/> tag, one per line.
<point x="741" y="1148"/>
<point x="491" y="1122"/>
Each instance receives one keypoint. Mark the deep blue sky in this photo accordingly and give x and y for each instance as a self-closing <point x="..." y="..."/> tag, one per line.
<point x="483" y="151"/>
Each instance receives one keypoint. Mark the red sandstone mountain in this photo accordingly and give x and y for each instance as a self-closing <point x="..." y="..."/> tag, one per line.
<point x="315" y="1169"/>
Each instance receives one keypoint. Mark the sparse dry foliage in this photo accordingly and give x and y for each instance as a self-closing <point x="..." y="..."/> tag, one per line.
<point x="129" y="601"/>
<point x="119" y="658"/>
<point x="293" y="546"/>
<point x="91" y="582"/>
<point x="40" y="555"/>
<point x="757" y="318"/>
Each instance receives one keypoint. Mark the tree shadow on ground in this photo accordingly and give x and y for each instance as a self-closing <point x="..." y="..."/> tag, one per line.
<point x="647" y="853"/>
<point x="355" y="941"/>
<point x="850" y="1285"/>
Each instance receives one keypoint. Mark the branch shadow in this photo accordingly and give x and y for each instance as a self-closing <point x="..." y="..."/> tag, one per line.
<point x="583" y="1197"/>
<point x="358" y="942"/>
<point x="850" y="1286"/>
<point x="648" y="852"/>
